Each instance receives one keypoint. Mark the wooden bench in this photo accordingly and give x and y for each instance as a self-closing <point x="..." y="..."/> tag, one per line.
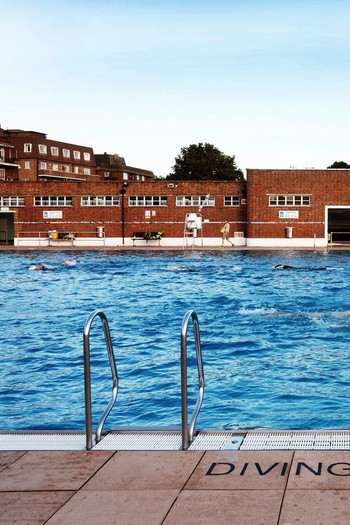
<point x="141" y="236"/>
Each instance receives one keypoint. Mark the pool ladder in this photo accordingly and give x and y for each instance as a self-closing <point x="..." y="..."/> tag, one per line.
<point x="187" y="429"/>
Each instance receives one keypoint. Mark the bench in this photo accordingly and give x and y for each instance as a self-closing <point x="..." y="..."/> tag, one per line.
<point x="66" y="238"/>
<point x="141" y="236"/>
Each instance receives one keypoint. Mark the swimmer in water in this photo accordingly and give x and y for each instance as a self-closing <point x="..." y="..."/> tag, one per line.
<point x="236" y="267"/>
<point x="180" y="269"/>
<point x="69" y="262"/>
<point x="38" y="267"/>
<point x="287" y="267"/>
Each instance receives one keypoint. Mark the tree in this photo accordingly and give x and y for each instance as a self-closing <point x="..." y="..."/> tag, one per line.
<point x="339" y="165"/>
<point x="204" y="162"/>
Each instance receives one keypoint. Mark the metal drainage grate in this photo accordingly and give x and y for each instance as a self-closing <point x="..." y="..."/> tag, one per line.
<point x="42" y="441"/>
<point x="297" y="440"/>
<point x="171" y="440"/>
<point x="206" y="440"/>
<point x="147" y="440"/>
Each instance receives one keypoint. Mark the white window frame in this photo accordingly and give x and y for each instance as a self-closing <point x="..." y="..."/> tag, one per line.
<point x="76" y="155"/>
<point x="54" y="151"/>
<point x="43" y="165"/>
<point x="54" y="167"/>
<point x="2" y="174"/>
<point x="12" y="201"/>
<point x="65" y="168"/>
<point x="289" y="200"/>
<point x="232" y="200"/>
<point x="42" y="149"/>
<point x="87" y="156"/>
<point x="195" y="200"/>
<point x="27" y="164"/>
<point x="100" y="200"/>
<point x="50" y="200"/>
<point x="27" y="148"/>
<point x="87" y="171"/>
<point x="66" y="153"/>
<point x="148" y="200"/>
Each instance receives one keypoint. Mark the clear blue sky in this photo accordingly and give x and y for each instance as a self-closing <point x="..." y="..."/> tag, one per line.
<point x="267" y="81"/>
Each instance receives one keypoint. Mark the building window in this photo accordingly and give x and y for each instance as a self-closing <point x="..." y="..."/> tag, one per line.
<point x="76" y="155"/>
<point x="138" y="200"/>
<point x="76" y="169"/>
<point x="2" y="174"/>
<point x="54" y="167"/>
<point x="231" y="200"/>
<point x="87" y="171"/>
<point x="27" y="148"/>
<point x="52" y="201"/>
<point x="54" y="151"/>
<point x="66" y="153"/>
<point x="195" y="200"/>
<point x="43" y="165"/>
<point x="87" y="156"/>
<point x="27" y="164"/>
<point x="100" y="200"/>
<point x="43" y="149"/>
<point x="65" y="168"/>
<point x="289" y="200"/>
<point x="12" y="201"/>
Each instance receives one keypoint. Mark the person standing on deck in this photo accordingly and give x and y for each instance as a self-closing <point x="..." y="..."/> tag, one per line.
<point x="225" y="230"/>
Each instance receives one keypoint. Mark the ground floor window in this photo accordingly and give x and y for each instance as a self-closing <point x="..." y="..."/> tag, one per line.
<point x="149" y="200"/>
<point x="100" y="200"/>
<point x="195" y="200"/>
<point x="231" y="200"/>
<point x="52" y="201"/>
<point x="289" y="200"/>
<point x="11" y="201"/>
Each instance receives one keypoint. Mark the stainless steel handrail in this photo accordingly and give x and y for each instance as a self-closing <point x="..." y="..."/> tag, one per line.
<point x="188" y="429"/>
<point x="87" y="378"/>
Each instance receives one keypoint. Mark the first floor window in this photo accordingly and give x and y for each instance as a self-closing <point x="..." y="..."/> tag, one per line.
<point x="27" y="164"/>
<point x="27" y="148"/>
<point x="48" y="200"/>
<point x="2" y="174"/>
<point x="43" y="165"/>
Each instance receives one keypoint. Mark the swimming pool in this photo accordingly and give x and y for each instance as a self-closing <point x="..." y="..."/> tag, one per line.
<point x="275" y="342"/>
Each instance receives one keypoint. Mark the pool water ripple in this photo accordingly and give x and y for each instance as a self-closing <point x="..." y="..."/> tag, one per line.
<point x="275" y="343"/>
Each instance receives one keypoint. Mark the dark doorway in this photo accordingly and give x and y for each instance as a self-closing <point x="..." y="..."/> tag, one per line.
<point x="6" y="228"/>
<point x="339" y="224"/>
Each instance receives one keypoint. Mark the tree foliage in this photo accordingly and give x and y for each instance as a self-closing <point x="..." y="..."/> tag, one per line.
<point x="340" y="164"/>
<point x="204" y="162"/>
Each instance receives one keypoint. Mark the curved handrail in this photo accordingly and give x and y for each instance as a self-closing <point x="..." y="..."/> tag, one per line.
<point x="87" y="377"/>
<point x="188" y="429"/>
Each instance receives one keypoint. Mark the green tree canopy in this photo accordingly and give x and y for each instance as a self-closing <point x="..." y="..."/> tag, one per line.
<point x="339" y="165"/>
<point x="204" y="162"/>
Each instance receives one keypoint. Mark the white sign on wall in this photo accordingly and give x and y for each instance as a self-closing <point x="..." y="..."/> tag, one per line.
<point x="288" y="214"/>
<point x="57" y="214"/>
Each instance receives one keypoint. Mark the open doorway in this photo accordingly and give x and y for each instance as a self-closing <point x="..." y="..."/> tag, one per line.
<point x="7" y="229"/>
<point x="339" y="225"/>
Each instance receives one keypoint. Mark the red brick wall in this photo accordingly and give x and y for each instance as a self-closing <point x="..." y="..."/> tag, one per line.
<point x="325" y="187"/>
<point x="169" y="219"/>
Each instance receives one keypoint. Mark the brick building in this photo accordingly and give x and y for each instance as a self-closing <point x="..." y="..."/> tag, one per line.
<point x="108" y="213"/>
<point x="48" y="186"/>
<point x="298" y="207"/>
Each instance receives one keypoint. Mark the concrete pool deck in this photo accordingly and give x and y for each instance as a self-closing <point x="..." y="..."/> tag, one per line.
<point x="175" y="488"/>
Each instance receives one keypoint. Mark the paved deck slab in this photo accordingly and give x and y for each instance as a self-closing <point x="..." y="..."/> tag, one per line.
<point x="175" y="488"/>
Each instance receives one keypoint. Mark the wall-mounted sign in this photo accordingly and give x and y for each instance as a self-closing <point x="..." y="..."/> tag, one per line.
<point x="288" y="214"/>
<point x="57" y="214"/>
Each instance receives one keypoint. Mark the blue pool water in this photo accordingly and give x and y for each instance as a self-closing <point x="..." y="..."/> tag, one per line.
<point x="276" y="343"/>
